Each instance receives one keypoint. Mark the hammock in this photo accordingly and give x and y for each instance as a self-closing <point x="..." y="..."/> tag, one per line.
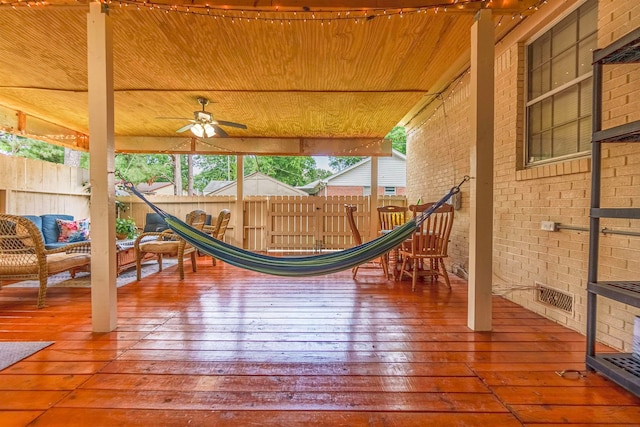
<point x="302" y="265"/>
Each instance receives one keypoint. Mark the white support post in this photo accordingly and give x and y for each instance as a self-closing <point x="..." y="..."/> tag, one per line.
<point x="373" y="200"/>
<point x="101" y="150"/>
<point x="479" y="314"/>
<point x="239" y="213"/>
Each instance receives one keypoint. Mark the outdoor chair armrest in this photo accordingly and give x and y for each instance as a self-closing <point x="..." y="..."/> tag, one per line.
<point x="146" y="237"/>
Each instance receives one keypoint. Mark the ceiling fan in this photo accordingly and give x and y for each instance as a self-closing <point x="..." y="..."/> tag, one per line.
<point x="205" y="125"/>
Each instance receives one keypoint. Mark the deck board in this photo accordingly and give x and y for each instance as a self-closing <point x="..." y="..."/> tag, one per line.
<point x="228" y="347"/>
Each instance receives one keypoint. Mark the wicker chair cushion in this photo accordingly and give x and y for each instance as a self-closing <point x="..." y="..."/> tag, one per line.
<point x="161" y="247"/>
<point x="21" y="265"/>
<point x="64" y="261"/>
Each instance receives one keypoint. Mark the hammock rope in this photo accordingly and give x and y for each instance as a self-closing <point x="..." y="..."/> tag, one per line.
<point x="315" y="265"/>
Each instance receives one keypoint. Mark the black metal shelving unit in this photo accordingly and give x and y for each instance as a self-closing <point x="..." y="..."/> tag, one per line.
<point x="623" y="368"/>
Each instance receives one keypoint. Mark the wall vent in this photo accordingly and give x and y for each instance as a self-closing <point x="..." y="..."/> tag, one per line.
<point x="554" y="298"/>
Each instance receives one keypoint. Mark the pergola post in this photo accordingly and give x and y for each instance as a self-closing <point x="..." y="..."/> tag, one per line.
<point x="239" y="211"/>
<point x="481" y="206"/>
<point x="101" y="130"/>
<point x="373" y="200"/>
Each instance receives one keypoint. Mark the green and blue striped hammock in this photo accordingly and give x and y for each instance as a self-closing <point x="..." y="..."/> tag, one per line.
<point x="315" y="265"/>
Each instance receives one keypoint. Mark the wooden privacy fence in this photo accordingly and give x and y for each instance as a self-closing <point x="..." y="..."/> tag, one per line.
<point x="274" y="223"/>
<point x="33" y="187"/>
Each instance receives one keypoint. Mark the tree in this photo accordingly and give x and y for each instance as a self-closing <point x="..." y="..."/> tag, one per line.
<point x="343" y="162"/>
<point x="137" y="168"/>
<point x="16" y="145"/>
<point x="398" y="137"/>
<point x="177" y="175"/>
<point x="292" y="170"/>
<point x="213" y="168"/>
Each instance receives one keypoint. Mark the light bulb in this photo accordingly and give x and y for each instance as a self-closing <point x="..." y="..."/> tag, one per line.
<point x="209" y="130"/>
<point x="197" y="130"/>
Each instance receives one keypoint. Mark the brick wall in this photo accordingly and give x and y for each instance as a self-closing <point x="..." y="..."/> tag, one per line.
<point x="438" y="156"/>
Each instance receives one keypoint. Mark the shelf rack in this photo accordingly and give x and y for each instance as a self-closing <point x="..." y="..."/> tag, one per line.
<point x="623" y="368"/>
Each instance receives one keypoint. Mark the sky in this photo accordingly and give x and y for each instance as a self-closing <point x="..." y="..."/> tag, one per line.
<point x="322" y="162"/>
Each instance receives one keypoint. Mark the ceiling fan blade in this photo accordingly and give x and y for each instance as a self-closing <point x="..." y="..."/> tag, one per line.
<point x="184" y="128"/>
<point x="220" y="132"/>
<point x="232" y="124"/>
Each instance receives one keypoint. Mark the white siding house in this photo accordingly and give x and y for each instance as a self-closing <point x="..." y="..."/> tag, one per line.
<point x="257" y="184"/>
<point x="356" y="179"/>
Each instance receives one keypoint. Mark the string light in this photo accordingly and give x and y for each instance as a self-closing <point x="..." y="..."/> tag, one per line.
<point x="275" y="14"/>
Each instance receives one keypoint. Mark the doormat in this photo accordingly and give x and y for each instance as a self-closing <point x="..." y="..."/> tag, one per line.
<point x="12" y="352"/>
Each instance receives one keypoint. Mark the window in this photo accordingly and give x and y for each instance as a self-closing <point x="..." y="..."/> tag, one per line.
<point x="559" y="85"/>
<point x="366" y="190"/>
<point x="389" y="191"/>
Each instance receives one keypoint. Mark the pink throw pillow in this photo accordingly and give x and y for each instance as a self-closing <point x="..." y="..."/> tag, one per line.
<point x="73" y="231"/>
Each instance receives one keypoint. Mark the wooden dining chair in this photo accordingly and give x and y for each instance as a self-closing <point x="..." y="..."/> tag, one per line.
<point x="390" y="217"/>
<point x="424" y="253"/>
<point x="357" y="240"/>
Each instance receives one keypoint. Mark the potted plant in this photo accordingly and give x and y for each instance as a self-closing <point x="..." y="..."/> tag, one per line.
<point x="126" y="228"/>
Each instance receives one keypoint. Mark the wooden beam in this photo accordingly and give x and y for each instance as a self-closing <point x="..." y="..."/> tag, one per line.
<point x="466" y="6"/>
<point x="19" y="123"/>
<point x="261" y="146"/>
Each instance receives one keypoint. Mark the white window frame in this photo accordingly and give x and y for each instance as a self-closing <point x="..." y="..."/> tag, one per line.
<point x="528" y="103"/>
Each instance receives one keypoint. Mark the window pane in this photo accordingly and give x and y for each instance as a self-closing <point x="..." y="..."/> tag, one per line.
<point x="546" y="114"/>
<point x="534" y="147"/>
<point x="535" y="118"/>
<point x="535" y="83"/>
<point x="564" y="35"/>
<point x="588" y="19"/>
<point x="540" y="50"/>
<point x="547" y="153"/>
<point x="565" y="139"/>
<point x="585" y="54"/>
<point x="539" y="81"/>
<point x="586" y="95"/>
<point x="565" y="106"/>
<point x="584" y="144"/>
<point x="563" y="68"/>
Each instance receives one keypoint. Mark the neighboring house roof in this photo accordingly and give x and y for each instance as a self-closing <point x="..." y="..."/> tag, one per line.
<point x="258" y="184"/>
<point x="392" y="172"/>
<point x="153" y="188"/>
<point x="215" y="185"/>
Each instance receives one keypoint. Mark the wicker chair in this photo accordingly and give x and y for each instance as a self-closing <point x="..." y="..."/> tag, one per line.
<point x="169" y="244"/>
<point x="217" y="231"/>
<point x="23" y="255"/>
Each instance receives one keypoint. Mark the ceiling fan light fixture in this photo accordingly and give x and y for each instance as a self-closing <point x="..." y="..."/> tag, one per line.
<point x="209" y="130"/>
<point x="197" y="130"/>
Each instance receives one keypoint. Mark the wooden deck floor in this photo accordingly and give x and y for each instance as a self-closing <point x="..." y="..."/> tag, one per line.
<point x="228" y="347"/>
